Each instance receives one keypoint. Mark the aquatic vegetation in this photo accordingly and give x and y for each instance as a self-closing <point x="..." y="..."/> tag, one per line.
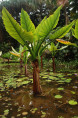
<point x="58" y="96"/>
<point x="60" y="89"/>
<point x="54" y="49"/>
<point x="43" y="114"/>
<point x="72" y="102"/>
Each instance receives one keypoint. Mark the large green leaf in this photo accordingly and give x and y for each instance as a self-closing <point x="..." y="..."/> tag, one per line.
<point x="45" y="27"/>
<point x="39" y="26"/>
<point x="73" y="32"/>
<point x="14" y="29"/>
<point x="26" y="22"/>
<point x="61" y="32"/>
<point x="76" y="29"/>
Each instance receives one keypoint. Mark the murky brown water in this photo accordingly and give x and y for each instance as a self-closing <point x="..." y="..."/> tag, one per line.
<point x="19" y="102"/>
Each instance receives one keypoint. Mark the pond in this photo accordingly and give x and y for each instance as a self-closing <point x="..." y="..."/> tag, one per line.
<point x="58" y="100"/>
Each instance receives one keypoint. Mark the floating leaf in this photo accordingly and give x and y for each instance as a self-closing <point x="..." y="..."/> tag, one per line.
<point x="69" y="74"/>
<point x="19" y="80"/>
<point x="73" y="92"/>
<point x="44" y="77"/>
<point x="48" y="80"/>
<point x="24" y="113"/>
<point x="6" y="112"/>
<point x="72" y="102"/>
<point x="33" y="110"/>
<point x="25" y="82"/>
<point x="43" y="114"/>
<point x="58" y="96"/>
<point x="60" y="88"/>
<point x="18" y="115"/>
<point x="68" y="80"/>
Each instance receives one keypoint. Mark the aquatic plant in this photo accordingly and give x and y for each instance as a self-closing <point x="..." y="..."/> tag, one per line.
<point x="53" y="49"/>
<point x="23" y="54"/>
<point x="26" y="34"/>
<point x="7" y="56"/>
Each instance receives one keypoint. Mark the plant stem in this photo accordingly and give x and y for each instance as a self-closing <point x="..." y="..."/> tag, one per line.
<point x="26" y="73"/>
<point x="53" y="59"/>
<point x="36" y="83"/>
<point x="41" y="63"/>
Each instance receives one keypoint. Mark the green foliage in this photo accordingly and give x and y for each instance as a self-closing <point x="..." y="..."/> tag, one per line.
<point x="61" y="32"/>
<point x="58" y="96"/>
<point x="6" y="55"/>
<point x="54" y="48"/>
<point x="75" y="31"/>
<point x="47" y="25"/>
<point x="14" y="29"/>
<point x="23" y="53"/>
<point x="26" y="22"/>
<point x="72" y="102"/>
<point x="26" y="33"/>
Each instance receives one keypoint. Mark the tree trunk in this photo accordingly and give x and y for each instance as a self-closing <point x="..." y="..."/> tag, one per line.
<point x="26" y="73"/>
<point x="36" y="83"/>
<point x="66" y="17"/>
<point x="8" y="61"/>
<point x="21" y="63"/>
<point x="53" y="59"/>
<point x="41" y="63"/>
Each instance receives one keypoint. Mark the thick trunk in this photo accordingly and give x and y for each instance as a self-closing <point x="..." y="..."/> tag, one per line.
<point x="36" y="83"/>
<point x="41" y="63"/>
<point x="53" y="59"/>
<point x="26" y="73"/>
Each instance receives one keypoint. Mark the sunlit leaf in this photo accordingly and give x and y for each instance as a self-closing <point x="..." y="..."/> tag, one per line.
<point x="26" y="22"/>
<point x="61" y="32"/>
<point x="58" y="96"/>
<point x="14" y="29"/>
<point x="72" y="102"/>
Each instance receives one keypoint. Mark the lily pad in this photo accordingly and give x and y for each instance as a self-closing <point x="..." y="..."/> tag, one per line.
<point x="6" y="112"/>
<point x="73" y="92"/>
<point x="33" y="110"/>
<point x="24" y="113"/>
<point x="58" y="96"/>
<point x="60" y="89"/>
<point x="69" y="74"/>
<point x="44" y="77"/>
<point x="72" y="102"/>
<point x="48" y="80"/>
<point x="43" y="114"/>
<point x="25" y="82"/>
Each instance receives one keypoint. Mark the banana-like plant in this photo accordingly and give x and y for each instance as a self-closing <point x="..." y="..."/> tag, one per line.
<point x="26" y="34"/>
<point x="54" y="49"/>
<point x="75" y="31"/>
<point x="7" y="56"/>
<point x="23" y="54"/>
